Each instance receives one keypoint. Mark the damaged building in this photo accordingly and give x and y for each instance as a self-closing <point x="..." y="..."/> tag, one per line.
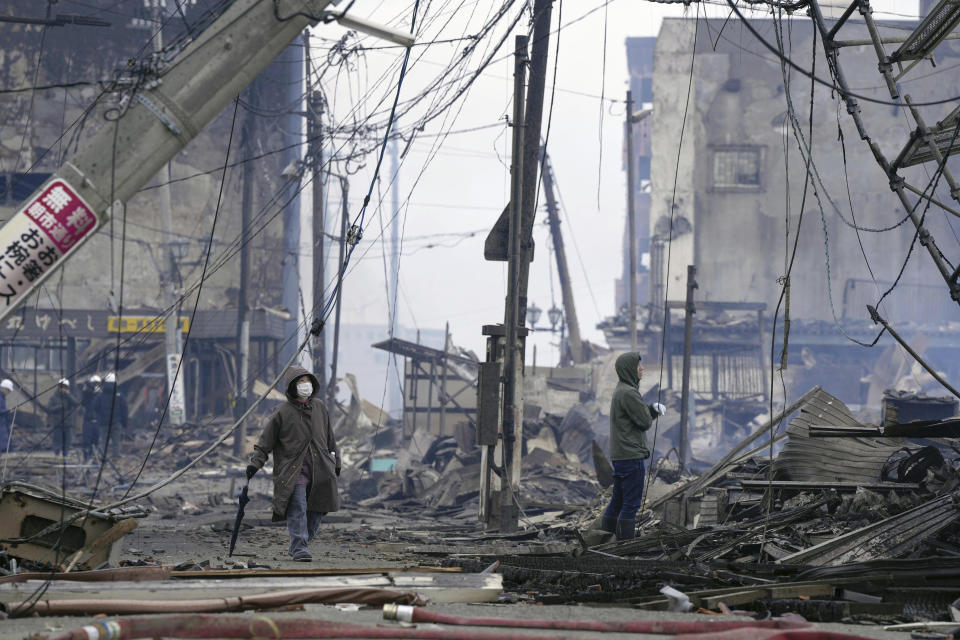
<point x="737" y="199"/>
<point x="114" y="295"/>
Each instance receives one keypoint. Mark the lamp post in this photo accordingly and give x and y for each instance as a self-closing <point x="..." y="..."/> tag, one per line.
<point x="533" y="314"/>
<point x="555" y="316"/>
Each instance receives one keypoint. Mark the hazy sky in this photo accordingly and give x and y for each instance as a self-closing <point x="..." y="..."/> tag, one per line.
<point x="465" y="185"/>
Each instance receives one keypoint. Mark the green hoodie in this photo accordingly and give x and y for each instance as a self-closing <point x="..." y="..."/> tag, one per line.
<point x="630" y="416"/>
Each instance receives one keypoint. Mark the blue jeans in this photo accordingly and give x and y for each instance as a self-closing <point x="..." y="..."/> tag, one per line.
<point x="627" y="489"/>
<point x="302" y="525"/>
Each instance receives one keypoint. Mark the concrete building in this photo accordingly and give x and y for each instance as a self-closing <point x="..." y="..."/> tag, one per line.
<point x="727" y="191"/>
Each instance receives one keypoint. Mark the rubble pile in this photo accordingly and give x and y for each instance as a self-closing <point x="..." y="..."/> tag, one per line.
<point x="384" y="468"/>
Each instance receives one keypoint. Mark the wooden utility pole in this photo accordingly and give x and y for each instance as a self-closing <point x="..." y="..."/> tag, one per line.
<point x="631" y="224"/>
<point x="563" y="271"/>
<point x="243" y="297"/>
<point x="532" y="120"/>
<point x="513" y="358"/>
<point x="685" y="399"/>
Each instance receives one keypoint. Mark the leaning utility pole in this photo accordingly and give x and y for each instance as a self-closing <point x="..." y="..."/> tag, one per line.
<point x="513" y="357"/>
<point x="563" y="271"/>
<point x="243" y="297"/>
<point x="631" y="225"/>
<point x="158" y="120"/>
<point x="685" y="399"/>
<point x="173" y="339"/>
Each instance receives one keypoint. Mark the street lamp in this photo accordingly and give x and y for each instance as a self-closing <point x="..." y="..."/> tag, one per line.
<point x="533" y="314"/>
<point x="555" y="314"/>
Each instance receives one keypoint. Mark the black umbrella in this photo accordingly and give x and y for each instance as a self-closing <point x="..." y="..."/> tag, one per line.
<point x="243" y="500"/>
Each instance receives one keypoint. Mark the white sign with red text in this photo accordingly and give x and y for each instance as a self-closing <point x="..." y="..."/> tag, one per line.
<point x="38" y="236"/>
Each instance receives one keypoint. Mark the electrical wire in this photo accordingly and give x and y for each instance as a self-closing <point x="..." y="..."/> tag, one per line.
<point x="193" y="314"/>
<point x="831" y="85"/>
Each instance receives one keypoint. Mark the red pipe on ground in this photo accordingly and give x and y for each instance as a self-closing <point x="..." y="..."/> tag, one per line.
<point x="406" y="613"/>
<point x="235" y="626"/>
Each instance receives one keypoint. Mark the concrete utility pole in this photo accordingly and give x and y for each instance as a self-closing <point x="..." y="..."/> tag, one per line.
<point x="393" y="303"/>
<point x="394" y="232"/>
<point x="173" y="338"/>
<point x="513" y="357"/>
<point x="158" y="122"/>
<point x="344" y="222"/>
<point x="243" y="297"/>
<point x="563" y="271"/>
<point x="315" y="135"/>
<point x="685" y="399"/>
<point x="290" y="60"/>
<point x="631" y="225"/>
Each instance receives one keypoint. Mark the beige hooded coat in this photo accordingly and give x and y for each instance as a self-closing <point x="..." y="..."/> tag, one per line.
<point x="294" y="431"/>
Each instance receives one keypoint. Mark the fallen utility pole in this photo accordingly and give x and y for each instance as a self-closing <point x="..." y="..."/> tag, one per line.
<point x="155" y="121"/>
<point x="563" y="271"/>
<point x="685" y="399"/>
<point x="513" y="357"/>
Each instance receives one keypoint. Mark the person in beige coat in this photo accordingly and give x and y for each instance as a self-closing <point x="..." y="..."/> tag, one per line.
<point x="306" y="461"/>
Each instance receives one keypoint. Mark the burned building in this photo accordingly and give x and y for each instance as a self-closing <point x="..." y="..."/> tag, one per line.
<point x="66" y="77"/>
<point x="729" y="193"/>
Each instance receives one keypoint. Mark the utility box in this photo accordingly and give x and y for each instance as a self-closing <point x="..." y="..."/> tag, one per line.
<point x="27" y="509"/>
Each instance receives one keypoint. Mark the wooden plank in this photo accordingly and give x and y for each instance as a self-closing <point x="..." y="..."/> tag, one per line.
<point x="439" y="587"/>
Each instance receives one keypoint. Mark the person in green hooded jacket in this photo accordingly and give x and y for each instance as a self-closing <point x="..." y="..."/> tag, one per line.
<point x="630" y="418"/>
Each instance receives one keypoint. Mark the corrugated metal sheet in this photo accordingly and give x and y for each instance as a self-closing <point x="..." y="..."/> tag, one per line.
<point x="831" y="459"/>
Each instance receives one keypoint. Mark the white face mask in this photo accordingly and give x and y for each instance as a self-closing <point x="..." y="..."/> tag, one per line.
<point x="304" y="389"/>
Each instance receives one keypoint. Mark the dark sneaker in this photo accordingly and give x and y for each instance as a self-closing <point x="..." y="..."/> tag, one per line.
<point x="303" y="556"/>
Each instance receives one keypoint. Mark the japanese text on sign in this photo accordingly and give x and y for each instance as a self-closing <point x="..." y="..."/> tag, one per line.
<point x="41" y="233"/>
<point x="142" y="324"/>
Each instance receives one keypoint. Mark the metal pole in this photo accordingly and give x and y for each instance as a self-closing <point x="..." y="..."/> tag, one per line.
<point x="631" y="225"/>
<point x="243" y="298"/>
<point x="685" y="392"/>
<point x="509" y="514"/>
<point x="345" y="208"/>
